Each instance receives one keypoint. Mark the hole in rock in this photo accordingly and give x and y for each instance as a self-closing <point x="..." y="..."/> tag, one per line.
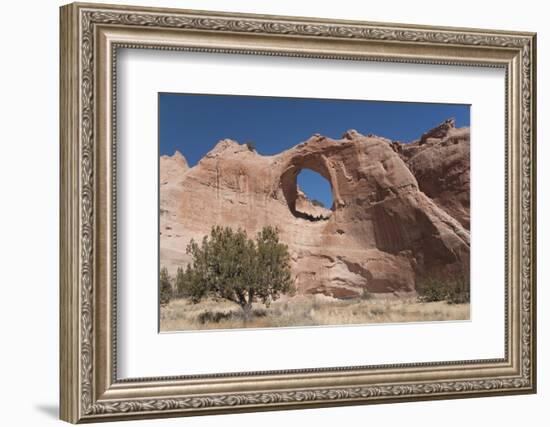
<point x="314" y="196"/>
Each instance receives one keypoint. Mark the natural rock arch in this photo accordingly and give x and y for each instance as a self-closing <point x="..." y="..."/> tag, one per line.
<point x="296" y="165"/>
<point x="289" y="186"/>
<point x="384" y="232"/>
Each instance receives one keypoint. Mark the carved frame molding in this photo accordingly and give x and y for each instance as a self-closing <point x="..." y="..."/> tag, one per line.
<point x="90" y="36"/>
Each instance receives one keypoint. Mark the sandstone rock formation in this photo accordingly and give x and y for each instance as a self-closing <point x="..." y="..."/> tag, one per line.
<point x="400" y="212"/>
<point x="440" y="162"/>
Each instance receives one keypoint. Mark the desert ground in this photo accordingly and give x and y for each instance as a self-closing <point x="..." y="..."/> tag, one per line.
<point x="306" y="310"/>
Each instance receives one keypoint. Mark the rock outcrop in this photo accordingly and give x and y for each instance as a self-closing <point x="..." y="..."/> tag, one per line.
<point x="440" y="162"/>
<point x="400" y="211"/>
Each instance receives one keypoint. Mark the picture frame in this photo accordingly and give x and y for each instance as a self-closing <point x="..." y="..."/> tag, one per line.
<point x="91" y="37"/>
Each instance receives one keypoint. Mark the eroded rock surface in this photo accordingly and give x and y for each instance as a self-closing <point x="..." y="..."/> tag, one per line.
<point x="400" y="212"/>
<point x="440" y="162"/>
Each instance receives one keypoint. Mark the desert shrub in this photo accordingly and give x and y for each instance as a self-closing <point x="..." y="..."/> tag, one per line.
<point x="431" y="290"/>
<point x="459" y="292"/>
<point x="259" y="312"/>
<point x="454" y="291"/>
<point x="377" y="311"/>
<point x="365" y="294"/>
<point x="180" y="283"/>
<point x="209" y="316"/>
<point x="228" y="265"/>
<point x="165" y="286"/>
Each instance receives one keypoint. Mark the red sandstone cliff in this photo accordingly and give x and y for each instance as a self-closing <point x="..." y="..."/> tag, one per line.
<point x="401" y="211"/>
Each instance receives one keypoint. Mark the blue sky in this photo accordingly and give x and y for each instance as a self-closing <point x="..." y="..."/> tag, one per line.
<point x="193" y="124"/>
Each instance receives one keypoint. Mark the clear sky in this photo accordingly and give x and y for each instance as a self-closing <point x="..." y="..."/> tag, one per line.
<point x="193" y="124"/>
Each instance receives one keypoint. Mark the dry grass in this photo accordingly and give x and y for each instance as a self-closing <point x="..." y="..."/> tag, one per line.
<point x="180" y="314"/>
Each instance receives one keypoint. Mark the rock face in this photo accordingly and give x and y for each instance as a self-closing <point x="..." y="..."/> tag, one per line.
<point x="400" y="211"/>
<point x="440" y="162"/>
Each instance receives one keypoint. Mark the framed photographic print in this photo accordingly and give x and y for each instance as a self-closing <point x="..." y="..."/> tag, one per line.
<point x="317" y="256"/>
<point x="265" y="212"/>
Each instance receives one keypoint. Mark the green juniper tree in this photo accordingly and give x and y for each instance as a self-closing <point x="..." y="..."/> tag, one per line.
<point x="229" y="265"/>
<point x="180" y="283"/>
<point x="165" y="286"/>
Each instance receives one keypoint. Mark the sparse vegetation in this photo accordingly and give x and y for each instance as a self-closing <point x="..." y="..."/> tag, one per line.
<point x="180" y="283"/>
<point x="213" y="317"/>
<point x="251" y="145"/>
<point x="165" y="287"/>
<point x="459" y="292"/>
<point x="209" y="316"/>
<point x="365" y="294"/>
<point x="453" y="291"/>
<point x="228" y="265"/>
<point x="311" y="310"/>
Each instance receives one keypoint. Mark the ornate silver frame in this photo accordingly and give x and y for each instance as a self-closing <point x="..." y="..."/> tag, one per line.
<point x="90" y="36"/>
